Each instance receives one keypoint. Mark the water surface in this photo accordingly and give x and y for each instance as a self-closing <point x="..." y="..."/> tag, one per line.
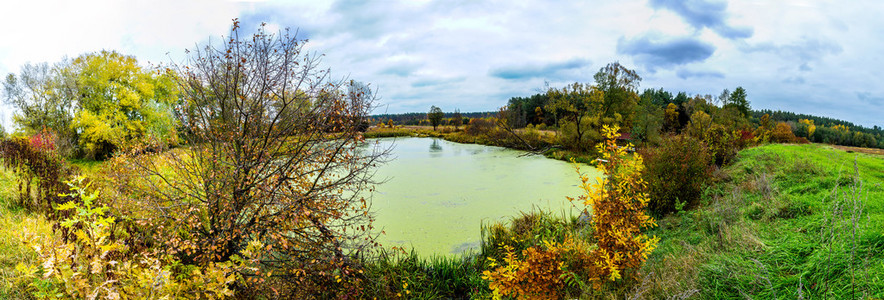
<point x="438" y="192"/>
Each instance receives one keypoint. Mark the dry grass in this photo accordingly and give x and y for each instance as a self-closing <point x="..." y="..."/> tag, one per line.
<point x="674" y="275"/>
<point x="850" y="149"/>
<point x="13" y="221"/>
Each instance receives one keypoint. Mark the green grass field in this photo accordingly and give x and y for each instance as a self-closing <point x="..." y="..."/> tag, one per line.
<point x="784" y="221"/>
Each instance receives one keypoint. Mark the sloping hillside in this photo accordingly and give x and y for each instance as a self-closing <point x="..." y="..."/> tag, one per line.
<point x="784" y="221"/>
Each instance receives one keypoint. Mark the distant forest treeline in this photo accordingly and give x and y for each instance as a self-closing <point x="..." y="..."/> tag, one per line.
<point x="415" y="118"/>
<point x="829" y="130"/>
<point x="533" y="110"/>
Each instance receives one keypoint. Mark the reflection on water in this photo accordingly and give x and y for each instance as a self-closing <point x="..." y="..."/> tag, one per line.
<point x="439" y="193"/>
<point x="435" y="147"/>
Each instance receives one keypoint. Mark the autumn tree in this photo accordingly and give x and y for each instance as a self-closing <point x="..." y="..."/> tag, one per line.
<point x="699" y="125"/>
<point x="806" y="128"/>
<point x="782" y="133"/>
<point x="120" y="102"/>
<point x="275" y="156"/>
<point x="435" y="116"/>
<point x="670" y="118"/>
<point x="97" y="101"/>
<point x="456" y="119"/>
<point x="765" y="126"/>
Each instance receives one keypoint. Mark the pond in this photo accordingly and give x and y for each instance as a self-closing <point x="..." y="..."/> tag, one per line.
<point x="439" y="193"/>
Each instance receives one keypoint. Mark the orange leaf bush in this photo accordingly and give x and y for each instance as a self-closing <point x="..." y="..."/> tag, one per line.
<point x="544" y="270"/>
<point x="537" y="275"/>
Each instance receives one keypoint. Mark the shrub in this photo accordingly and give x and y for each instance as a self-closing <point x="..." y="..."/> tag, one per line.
<point x="676" y="172"/>
<point x="535" y="274"/>
<point x="722" y="144"/>
<point x="745" y="138"/>
<point x="618" y="201"/>
<point x="782" y="133"/>
<point x="43" y="141"/>
<point x="541" y="243"/>
<point x="95" y="265"/>
<point x="277" y="157"/>
<point x="480" y="126"/>
<point x="39" y="167"/>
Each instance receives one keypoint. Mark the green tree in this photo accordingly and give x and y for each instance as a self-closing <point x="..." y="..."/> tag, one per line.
<point x="648" y="118"/>
<point x="681" y="98"/>
<point x="42" y="96"/>
<point x="619" y="85"/>
<point x="738" y="100"/>
<point x="581" y="109"/>
<point x="657" y="97"/>
<point x="120" y="102"/>
<point x="435" y="116"/>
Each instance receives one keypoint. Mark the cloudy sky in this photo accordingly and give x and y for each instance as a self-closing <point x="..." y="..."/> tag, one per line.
<point x="815" y="57"/>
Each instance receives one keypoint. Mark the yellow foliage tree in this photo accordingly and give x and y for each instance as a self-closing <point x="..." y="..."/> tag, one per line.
<point x="808" y="127"/>
<point x="763" y="132"/>
<point x="120" y="102"/>
<point x="670" y="118"/>
<point x="618" y="201"/>
<point x="782" y="133"/>
<point x="700" y="124"/>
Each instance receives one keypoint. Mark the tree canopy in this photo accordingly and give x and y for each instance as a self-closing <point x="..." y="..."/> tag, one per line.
<point x="96" y="102"/>
<point x="435" y="116"/>
<point x="275" y="157"/>
<point x="120" y="102"/>
<point x="737" y="99"/>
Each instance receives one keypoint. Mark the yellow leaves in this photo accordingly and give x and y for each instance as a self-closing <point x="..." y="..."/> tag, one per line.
<point x="536" y="273"/>
<point x="618" y="202"/>
<point x="82" y="268"/>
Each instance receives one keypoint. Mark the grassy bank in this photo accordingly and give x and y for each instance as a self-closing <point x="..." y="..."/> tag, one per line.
<point x="784" y="221"/>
